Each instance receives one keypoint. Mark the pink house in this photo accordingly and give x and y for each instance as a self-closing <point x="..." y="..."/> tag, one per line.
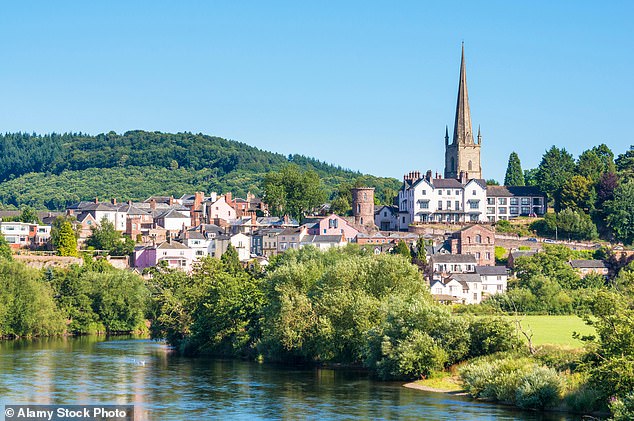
<point x="176" y="256"/>
<point x="333" y="225"/>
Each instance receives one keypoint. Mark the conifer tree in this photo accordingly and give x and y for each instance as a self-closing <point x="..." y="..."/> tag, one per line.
<point x="514" y="174"/>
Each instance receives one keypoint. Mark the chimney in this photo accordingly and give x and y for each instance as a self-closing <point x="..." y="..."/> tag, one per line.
<point x="286" y="220"/>
<point x="96" y="200"/>
<point x="171" y="201"/>
<point x="153" y="203"/>
<point x="254" y="220"/>
<point x="113" y="201"/>
<point x="198" y="200"/>
<point x="228" y="197"/>
<point x="428" y="175"/>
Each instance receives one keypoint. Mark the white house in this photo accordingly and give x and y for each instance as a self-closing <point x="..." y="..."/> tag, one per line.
<point x="16" y="233"/>
<point x="386" y="218"/>
<point x="508" y="202"/>
<point x="172" y="220"/>
<point x="451" y="263"/>
<point x="241" y="242"/>
<point x="494" y="279"/>
<point x="323" y="242"/>
<point x="427" y="199"/>
<point x="465" y="288"/>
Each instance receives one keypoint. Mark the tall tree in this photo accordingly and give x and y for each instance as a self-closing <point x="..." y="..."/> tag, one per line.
<point x="63" y="238"/>
<point x="625" y="164"/>
<point x="104" y="236"/>
<point x="556" y="168"/>
<point x="530" y="177"/>
<point x="29" y="215"/>
<point x="514" y="174"/>
<point x="293" y="191"/>
<point x="620" y="218"/>
<point x="594" y="162"/>
<point x="578" y="193"/>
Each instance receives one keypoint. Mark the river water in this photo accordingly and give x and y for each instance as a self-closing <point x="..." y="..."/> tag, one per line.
<point x="163" y="386"/>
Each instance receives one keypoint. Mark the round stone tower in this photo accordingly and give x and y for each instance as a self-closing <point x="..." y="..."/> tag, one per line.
<point x="363" y="205"/>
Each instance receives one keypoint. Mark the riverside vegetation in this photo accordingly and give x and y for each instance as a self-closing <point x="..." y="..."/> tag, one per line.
<point x="345" y="306"/>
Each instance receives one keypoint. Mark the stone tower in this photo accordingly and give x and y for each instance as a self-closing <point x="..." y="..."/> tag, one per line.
<point x="363" y="205"/>
<point x="463" y="154"/>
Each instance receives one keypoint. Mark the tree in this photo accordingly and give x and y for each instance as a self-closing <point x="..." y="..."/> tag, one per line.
<point x="625" y="164"/>
<point x="594" y="162"/>
<point x="231" y="260"/>
<point x="106" y="237"/>
<point x="63" y="237"/>
<point x="577" y="193"/>
<point x="293" y="191"/>
<point x="5" y="249"/>
<point x="620" y="218"/>
<point x="29" y="215"/>
<point x="514" y="175"/>
<point x="492" y="182"/>
<point x="530" y="177"/>
<point x="402" y="249"/>
<point x="556" y="167"/>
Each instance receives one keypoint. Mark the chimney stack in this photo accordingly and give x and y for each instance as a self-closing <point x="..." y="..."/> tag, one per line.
<point x="96" y="200"/>
<point x="153" y="203"/>
<point x="113" y="201"/>
<point x="171" y="201"/>
<point x="428" y="175"/>
<point x="254" y="220"/>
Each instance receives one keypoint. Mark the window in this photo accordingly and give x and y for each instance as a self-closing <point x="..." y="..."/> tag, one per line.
<point x="470" y="166"/>
<point x="514" y="210"/>
<point x="424" y="204"/>
<point x="478" y="238"/>
<point x="490" y="210"/>
<point x="475" y="294"/>
<point x="526" y="210"/>
<point x="468" y="240"/>
<point x="501" y="200"/>
<point x="537" y="201"/>
<point x="490" y="201"/>
<point x="385" y="214"/>
<point x="477" y="255"/>
<point x="499" y="277"/>
<point x="448" y="204"/>
<point x="457" y="205"/>
<point x="424" y="192"/>
<point x="403" y="219"/>
<point x="487" y="255"/>
<point x="440" y="205"/>
<point x="499" y="287"/>
<point x="365" y="196"/>
<point x="514" y="201"/>
<point x="475" y="193"/>
<point x="474" y="204"/>
<point x="358" y="208"/>
<point x="457" y="192"/>
<point x="439" y="192"/>
<point x="526" y="201"/>
<point x="488" y="240"/>
<point x="502" y="210"/>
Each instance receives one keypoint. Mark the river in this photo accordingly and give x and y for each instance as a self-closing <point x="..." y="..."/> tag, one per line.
<point x="163" y="386"/>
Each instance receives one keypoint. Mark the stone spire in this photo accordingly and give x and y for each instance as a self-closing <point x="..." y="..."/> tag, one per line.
<point x="446" y="135"/>
<point x="479" y="136"/>
<point x="462" y="132"/>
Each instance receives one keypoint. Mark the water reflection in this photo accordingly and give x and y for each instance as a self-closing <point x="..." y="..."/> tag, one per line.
<point x="161" y="385"/>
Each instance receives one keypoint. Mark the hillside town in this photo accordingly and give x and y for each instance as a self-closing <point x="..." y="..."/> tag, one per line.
<point x="460" y="264"/>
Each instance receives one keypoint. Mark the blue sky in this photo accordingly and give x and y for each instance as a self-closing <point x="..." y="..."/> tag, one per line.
<point x="368" y="85"/>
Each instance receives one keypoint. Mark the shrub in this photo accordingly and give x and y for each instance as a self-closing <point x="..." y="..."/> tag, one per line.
<point x="538" y="389"/>
<point x="418" y="355"/>
<point x="622" y="408"/>
<point x="490" y="335"/>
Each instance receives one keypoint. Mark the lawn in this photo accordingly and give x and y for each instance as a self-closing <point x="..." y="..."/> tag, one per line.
<point x="556" y="330"/>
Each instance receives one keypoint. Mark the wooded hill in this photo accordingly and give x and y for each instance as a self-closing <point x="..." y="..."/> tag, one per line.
<point x="54" y="170"/>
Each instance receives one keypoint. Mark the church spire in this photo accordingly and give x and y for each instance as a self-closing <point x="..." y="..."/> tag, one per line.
<point x="446" y="135"/>
<point x="462" y="132"/>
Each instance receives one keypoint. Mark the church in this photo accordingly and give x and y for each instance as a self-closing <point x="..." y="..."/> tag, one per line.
<point x="462" y="196"/>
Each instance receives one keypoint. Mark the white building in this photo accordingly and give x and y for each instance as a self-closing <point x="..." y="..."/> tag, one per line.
<point x="441" y="264"/>
<point x="427" y="199"/>
<point x="494" y="279"/>
<point x="508" y="202"/>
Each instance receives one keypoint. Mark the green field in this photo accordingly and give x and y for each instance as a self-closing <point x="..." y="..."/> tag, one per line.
<point x="556" y="330"/>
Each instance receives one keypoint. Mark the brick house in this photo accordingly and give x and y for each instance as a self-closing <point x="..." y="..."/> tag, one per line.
<point x="477" y="240"/>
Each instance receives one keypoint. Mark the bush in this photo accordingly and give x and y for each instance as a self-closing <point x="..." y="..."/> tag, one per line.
<point x="538" y="389"/>
<point x="622" y="409"/>
<point x="490" y="335"/>
<point x="417" y="356"/>
<point x="512" y="380"/>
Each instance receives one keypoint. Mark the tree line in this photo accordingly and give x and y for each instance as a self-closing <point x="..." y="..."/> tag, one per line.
<point x="592" y="195"/>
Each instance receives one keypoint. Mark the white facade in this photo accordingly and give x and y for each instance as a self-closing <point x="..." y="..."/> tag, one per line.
<point x="16" y="233"/>
<point x="441" y="200"/>
<point x="221" y="209"/>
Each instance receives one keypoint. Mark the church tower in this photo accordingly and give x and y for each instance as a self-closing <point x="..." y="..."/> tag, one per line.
<point x="463" y="154"/>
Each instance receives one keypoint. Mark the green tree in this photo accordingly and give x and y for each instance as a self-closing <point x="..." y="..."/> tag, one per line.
<point x="231" y="260"/>
<point x="625" y="164"/>
<point x="293" y="191"/>
<point x="106" y="237"/>
<point x="402" y="249"/>
<point x="620" y="218"/>
<point x="5" y="249"/>
<point x="514" y="174"/>
<point x="530" y="177"/>
<point x="594" y="162"/>
<point x="578" y="194"/>
<point x="63" y="238"/>
<point x="492" y="182"/>
<point x="556" y="167"/>
<point x="29" y="215"/>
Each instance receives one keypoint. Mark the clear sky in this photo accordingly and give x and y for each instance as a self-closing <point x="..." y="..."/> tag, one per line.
<point x="368" y="85"/>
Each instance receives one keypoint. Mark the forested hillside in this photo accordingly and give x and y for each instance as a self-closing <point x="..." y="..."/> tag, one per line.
<point x="51" y="171"/>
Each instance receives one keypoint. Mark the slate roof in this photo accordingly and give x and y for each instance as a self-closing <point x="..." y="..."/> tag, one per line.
<point x="465" y="277"/>
<point x="174" y="245"/>
<point x="510" y="191"/>
<point x="171" y="213"/>
<point x="588" y="264"/>
<point x="523" y="253"/>
<point x="446" y="183"/>
<point x="491" y="270"/>
<point x="453" y="258"/>
<point x="322" y="239"/>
